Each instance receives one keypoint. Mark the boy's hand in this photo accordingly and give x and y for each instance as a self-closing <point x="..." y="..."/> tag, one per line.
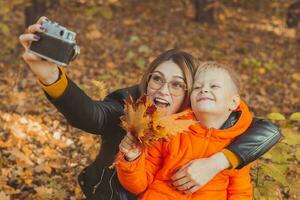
<point x="46" y="71"/>
<point x="130" y="147"/>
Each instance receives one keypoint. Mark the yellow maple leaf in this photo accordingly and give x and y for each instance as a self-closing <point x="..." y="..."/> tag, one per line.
<point x="135" y="120"/>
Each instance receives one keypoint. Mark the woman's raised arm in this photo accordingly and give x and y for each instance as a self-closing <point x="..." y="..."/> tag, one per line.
<point x="79" y="109"/>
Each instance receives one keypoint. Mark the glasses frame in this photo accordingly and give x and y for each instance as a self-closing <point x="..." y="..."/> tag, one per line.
<point x="165" y="82"/>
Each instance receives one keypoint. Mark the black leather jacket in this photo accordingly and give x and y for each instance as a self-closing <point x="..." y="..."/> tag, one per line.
<point x="102" y="117"/>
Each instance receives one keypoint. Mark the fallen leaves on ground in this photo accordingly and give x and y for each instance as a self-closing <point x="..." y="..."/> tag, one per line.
<point x="31" y="150"/>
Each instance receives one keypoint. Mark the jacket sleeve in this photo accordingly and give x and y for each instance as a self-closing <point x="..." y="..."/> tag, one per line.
<point x="240" y="187"/>
<point x="137" y="175"/>
<point x="58" y="87"/>
<point x="257" y="140"/>
<point x="86" y="114"/>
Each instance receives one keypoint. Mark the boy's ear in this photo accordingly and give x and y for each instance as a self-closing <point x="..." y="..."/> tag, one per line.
<point x="236" y="99"/>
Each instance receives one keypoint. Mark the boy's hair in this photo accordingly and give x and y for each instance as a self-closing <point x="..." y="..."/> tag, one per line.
<point x="208" y="65"/>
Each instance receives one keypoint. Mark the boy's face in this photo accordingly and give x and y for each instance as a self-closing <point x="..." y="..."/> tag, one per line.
<point x="214" y="92"/>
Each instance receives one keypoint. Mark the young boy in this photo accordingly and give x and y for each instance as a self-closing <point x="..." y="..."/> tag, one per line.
<point x="215" y="96"/>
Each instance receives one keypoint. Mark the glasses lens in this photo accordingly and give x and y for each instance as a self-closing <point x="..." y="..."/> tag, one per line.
<point x="156" y="81"/>
<point x="177" y="88"/>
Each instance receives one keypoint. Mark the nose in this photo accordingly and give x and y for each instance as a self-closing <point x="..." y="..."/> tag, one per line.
<point x="204" y="90"/>
<point x="164" y="89"/>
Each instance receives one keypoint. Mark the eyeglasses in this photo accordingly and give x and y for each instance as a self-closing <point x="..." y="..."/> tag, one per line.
<point x="176" y="87"/>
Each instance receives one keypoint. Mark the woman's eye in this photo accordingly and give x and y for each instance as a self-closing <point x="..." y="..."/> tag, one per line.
<point x="196" y="88"/>
<point x="178" y="85"/>
<point x="158" y="79"/>
<point x="214" y="86"/>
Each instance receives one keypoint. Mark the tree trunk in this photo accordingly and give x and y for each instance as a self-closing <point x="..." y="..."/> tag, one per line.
<point x="205" y="11"/>
<point x="293" y="15"/>
<point x="38" y="8"/>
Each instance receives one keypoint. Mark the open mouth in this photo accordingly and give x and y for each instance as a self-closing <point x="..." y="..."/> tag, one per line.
<point x="161" y="103"/>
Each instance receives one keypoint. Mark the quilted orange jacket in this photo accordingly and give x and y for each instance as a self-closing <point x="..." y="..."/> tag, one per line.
<point x="149" y="175"/>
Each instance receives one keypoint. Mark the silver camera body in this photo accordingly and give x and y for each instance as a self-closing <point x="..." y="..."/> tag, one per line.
<point x="56" y="44"/>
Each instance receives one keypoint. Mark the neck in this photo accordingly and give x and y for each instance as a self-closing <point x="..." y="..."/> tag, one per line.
<point x="212" y="120"/>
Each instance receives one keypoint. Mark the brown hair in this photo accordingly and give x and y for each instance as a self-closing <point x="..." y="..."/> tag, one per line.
<point x="185" y="61"/>
<point x="207" y="65"/>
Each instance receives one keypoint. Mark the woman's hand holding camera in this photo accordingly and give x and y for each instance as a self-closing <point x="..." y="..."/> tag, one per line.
<point x="130" y="147"/>
<point x="46" y="71"/>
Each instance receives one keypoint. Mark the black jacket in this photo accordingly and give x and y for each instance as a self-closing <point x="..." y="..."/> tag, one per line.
<point x="103" y="118"/>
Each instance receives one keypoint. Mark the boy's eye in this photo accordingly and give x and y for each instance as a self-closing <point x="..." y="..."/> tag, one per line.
<point x="196" y="88"/>
<point x="214" y="86"/>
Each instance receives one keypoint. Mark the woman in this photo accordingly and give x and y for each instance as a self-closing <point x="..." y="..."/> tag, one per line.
<point x="102" y="117"/>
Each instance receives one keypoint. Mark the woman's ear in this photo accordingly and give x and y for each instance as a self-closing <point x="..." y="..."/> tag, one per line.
<point x="235" y="102"/>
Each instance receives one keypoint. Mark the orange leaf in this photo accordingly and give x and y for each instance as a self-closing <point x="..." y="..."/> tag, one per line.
<point x="148" y="124"/>
<point x="176" y="123"/>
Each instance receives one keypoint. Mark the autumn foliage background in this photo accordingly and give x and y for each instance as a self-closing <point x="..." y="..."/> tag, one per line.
<point x="41" y="155"/>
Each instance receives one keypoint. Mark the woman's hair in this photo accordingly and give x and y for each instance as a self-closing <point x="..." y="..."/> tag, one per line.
<point x="185" y="61"/>
<point x="209" y="65"/>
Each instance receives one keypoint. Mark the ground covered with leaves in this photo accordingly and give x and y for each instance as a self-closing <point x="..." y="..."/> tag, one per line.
<point x="41" y="155"/>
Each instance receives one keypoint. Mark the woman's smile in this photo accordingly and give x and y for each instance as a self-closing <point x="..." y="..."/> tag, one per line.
<point x="159" y="102"/>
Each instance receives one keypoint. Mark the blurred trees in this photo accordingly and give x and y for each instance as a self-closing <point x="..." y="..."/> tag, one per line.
<point x="205" y="11"/>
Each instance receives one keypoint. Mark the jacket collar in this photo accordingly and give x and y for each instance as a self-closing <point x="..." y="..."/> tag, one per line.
<point x="236" y="124"/>
<point x="232" y="119"/>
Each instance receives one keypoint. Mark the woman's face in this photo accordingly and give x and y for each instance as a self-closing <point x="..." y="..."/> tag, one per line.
<point x="166" y="87"/>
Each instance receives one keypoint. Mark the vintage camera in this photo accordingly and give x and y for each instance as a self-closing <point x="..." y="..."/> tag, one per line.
<point x="56" y="44"/>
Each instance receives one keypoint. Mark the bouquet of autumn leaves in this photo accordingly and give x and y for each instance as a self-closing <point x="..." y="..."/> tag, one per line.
<point x="148" y="123"/>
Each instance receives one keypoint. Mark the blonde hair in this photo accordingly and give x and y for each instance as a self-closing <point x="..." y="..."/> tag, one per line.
<point x="185" y="61"/>
<point x="208" y="65"/>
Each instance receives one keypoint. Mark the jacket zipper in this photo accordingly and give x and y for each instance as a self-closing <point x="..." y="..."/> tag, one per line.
<point x="206" y="140"/>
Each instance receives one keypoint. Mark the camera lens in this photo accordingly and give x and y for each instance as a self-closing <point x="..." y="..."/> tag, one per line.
<point x="61" y="33"/>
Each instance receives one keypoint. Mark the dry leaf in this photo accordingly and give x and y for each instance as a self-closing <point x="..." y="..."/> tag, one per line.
<point x="8" y="144"/>
<point x="21" y="156"/>
<point x="176" y="123"/>
<point x="87" y="142"/>
<point x="42" y="191"/>
<point x="3" y="196"/>
<point x="101" y="91"/>
<point x="296" y="76"/>
<point x="148" y="124"/>
<point x="129" y="22"/>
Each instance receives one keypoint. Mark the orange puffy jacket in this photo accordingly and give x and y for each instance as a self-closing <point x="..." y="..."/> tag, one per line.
<point x="149" y="175"/>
